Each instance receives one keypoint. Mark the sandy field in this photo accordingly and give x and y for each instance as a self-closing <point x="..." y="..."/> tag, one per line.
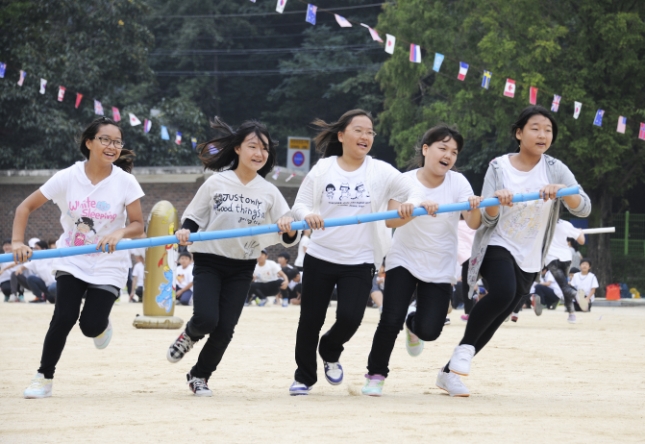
<point x="540" y="380"/>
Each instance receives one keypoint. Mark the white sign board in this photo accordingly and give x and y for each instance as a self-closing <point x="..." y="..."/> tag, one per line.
<point x="299" y="154"/>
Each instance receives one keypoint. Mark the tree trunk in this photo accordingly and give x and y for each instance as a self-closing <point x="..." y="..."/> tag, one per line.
<point x="599" y="245"/>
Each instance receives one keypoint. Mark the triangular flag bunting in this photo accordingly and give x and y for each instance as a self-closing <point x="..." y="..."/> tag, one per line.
<point x="280" y="6"/>
<point x="116" y="115"/>
<point x="597" y="121"/>
<point x="463" y="70"/>
<point x="415" y="53"/>
<point x="98" y="108"/>
<point x="146" y="126"/>
<point x="43" y="85"/>
<point x="373" y="33"/>
<point x="311" y="14"/>
<point x="178" y="138"/>
<point x="61" y="93"/>
<point x="3" y="70"/>
<point x="390" y="40"/>
<point x="533" y="91"/>
<point x="438" y="60"/>
<point x="486" y="79"/>
<point x="164" y="133"/>
<point x="134" y="121"/>
<point x="79" y="97"/>
<point x="342" y="21"/>
<point x="291" y="176"/>
<point x="21" y="80"/>
<point x="193" y="142"/>
<point x="509" y="89"/>
<point x="276" y="174"/>
<point x="576" y="109"/>
<point x="641" y="131"/>
<point x="622" y="123"/>
<point x="555" y="106"/>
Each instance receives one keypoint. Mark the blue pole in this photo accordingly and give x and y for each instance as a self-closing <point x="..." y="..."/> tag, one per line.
<point x="266" y="229"/>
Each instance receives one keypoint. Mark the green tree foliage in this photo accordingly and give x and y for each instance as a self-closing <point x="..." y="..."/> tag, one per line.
<point x="588" y="51"/>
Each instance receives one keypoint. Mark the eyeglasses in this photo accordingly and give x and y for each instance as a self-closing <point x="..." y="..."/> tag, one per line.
<point x="106" y="141"/>
<point x="359" y="132"/>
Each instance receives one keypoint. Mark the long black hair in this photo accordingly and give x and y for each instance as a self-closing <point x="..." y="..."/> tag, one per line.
<point x="439" y="132"/>
<point x="219" y="154"/>
<point x="327" y="141"/>
<point x="126" y="157"/>
<point x="529" y="112"/>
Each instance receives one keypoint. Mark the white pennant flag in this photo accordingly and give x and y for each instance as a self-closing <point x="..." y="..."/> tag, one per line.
<point x="576" y="109"/>
<point x="342" y="21"/>
<point x="133" y="120"/>
<point x="390" y="40"/>
<point x="280" y="6"/>
<point x="373" y="33"/>
<point x="43" y="85"/>
<point x="61" y="93"/>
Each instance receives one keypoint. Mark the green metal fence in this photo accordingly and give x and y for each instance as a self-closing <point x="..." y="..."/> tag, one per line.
<point x="629" y="238"/>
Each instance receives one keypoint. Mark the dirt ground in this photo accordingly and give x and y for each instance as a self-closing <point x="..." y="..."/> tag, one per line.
<point x="540" y="380"/>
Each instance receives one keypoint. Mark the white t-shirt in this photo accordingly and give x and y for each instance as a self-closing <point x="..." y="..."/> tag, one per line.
<point x="267" y="272"/>
<point x="6" y="274"/>
<point x="548" y="277"/>
<point x="138" y="271"/>
<point x="183" y="276"/>
<point x="304" y="243"/>
<point x="427" y="246"/>
<point x="465" y="237"/>
<point x="344" y="195"/>
<point x="224" y="203"/>
<point x="43" y="269"/>
<point x="559" y="248"/>
<point x="88" y="213"/>
<point x="522" y="227"/>
<point x="585" y="282"/>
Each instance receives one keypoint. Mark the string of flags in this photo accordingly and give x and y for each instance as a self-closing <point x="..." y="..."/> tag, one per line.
<point x="98" y="107"/>
<point x="415" y="57"/>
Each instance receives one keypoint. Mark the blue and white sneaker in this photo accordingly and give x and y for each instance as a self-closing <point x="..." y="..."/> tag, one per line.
<point x="102" y="340"/>
<point x="413" y="344"/>
<point x="333" y="372"/>
<point x="261" y="302"/>
<point x="299" y="389"/>
<point x="373" y="385"/>
<point x="39" y="387"/>
<point x="285" y="302"/>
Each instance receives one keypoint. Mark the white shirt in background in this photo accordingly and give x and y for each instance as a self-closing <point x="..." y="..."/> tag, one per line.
<point x="267" y="272"/>
<point x="345" y="195"/>
<point x="43" y="269"/>
<point x="548" y="277"/>
<point x="138" y="271"/>
<point x="304" y="243"/>
<point x="183" y="276"/>
<point x="521" y="228"/>
<point x="427" y="246"/>
<point x="88" y="213"/>
<point x="585" y="282"/>
<point x="559" y="248"/>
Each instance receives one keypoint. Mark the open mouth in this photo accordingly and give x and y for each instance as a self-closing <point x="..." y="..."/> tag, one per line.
<point x="541" y="145"/>
<point x="444" y="163"/>
<point x="362" y="145"/>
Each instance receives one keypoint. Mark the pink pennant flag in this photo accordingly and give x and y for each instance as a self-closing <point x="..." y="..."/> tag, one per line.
<point x="373" y="33"/>
<point x="79" y="97"/>
<point x="133" y="120"/>
<point x="641" y="131"/>
<point x="533" y="95"/>
<point x="555" y="106"/>
<point x="415" y="53"/>
<point x="43" y="85"/>
<point x="98" y="108"/>
<point x="21" y="80"/>
<point x="61" y="93"/>
<point x="622" y="124"/>
<point x="509" y="89"/>
<point x="390" y="41"/>
<point x="116" y="115"/>
<point x="342" y="21"/>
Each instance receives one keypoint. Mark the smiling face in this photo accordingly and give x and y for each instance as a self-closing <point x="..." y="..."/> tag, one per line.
<point x="584" y="267"/>
<point x="253" y="154"/>
<point x="536" y="136"/>
<point x="357" y="138"/>
<point x="104" y="154"/>
<point x="440" y="157"/>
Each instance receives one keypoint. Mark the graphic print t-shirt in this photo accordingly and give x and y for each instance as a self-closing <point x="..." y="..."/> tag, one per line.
<point x="521" y="228"/>
<point x="267" y="272"/>
<point x="224" y="203"/>
<point x="346" y="194"/>
<point x="183" y="276"/>
<point x="88" y="213"/>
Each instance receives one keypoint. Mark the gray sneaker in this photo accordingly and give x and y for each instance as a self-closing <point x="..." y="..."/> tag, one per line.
<point x="199" y="386"/>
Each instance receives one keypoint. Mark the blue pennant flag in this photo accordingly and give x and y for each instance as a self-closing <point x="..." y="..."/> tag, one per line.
<point x="3" y="69"/>
<point x="164" y="133"/>
<point x="486" y="79"/>
<point x="438" y="60"/>
<point x="311" y="14"/>
<point x="598" y="119"/>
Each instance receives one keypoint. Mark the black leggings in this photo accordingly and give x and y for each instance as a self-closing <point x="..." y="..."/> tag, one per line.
<point x="354" y="283"/>
<point x="264" y="289"/>
<point x="508" y="284"/>
<point x="426" y="323"/>
<point x="465" y="289"/>
<point x="560" y="272"/>
<point x="6" y="288"/>
<point x="547" y="295"/>
<point x="93" y="319"/>
<point x="220" y="286"/>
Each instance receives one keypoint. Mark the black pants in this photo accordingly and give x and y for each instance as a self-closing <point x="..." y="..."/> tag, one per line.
<point x="93" y="319"/>
<point x="6" y="288"/>
<point x="507" y="285"/>
<point x="547" y="295"/>
<point x="19" y="283"/>
<point x="40" y="289"/>
<point x="220" y="286"/>
<point x="264" y="289"/>
<point x="560" y="272"/>
<point x="426" y="323"/>
<point x="354" y="283"/>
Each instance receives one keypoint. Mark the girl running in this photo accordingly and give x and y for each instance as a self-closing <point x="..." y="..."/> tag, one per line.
<point x="344" y="257"/>
<point x="103" y="196"/>
<point x="422" y="256"/>
<point x="511" y="245"/>
<point x="236" y="196"/>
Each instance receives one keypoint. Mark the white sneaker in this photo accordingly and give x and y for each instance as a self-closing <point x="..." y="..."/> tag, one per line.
<point x="13" y="298"/>
<point x="413" y="344"/>
<point x="582" y="300"/>
<point x="333" y="372"/>
<point x="451" y="383"/>
<point x="102" y="340"/>
<point x="572" y="318"/>
<point x="39" y="387"/>
<point x="299" y="389"/>
<point x="461" y="358"/>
